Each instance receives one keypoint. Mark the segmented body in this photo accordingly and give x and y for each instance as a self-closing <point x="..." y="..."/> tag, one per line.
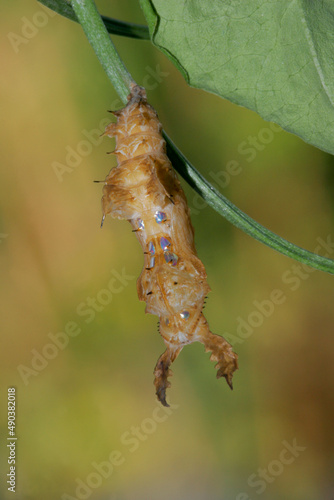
<point x="145" y="190"/>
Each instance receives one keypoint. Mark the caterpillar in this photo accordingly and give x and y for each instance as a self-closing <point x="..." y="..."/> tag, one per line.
<point x="143" y="188"/>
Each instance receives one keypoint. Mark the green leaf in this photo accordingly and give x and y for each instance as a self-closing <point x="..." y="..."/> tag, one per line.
<point x="274" y="57"/>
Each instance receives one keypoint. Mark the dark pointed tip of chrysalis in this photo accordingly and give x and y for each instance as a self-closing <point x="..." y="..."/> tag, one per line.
<point x="102" y="221"/>
<point x="161" y="394"/>
<point x="229" y="382"/>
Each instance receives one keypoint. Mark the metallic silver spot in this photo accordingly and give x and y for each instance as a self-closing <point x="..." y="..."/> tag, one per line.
<point x="164" y="243"/>
<point x="151" y="248"/>
<point x="171" y="258"/>
<point x="140" y="223"/>
<point x="160" y="217"/>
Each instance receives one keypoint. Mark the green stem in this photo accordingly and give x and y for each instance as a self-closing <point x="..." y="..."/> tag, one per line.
<point x="241" y="220"/>
<point x="98" y="37"/>
<point x="113" y="26"/>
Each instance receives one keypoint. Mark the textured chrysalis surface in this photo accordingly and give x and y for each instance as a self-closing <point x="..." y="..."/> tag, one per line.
<point x="145" y="190"/>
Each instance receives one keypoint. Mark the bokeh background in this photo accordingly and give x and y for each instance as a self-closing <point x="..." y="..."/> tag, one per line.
<point x="92" y="400"/>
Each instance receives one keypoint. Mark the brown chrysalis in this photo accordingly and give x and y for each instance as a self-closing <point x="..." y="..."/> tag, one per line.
<point x="145" y="190"/>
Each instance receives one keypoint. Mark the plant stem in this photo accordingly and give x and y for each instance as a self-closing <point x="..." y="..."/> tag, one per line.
<point x="113" y="26"/>
<point x="121" y="79"/>
<point x="103" y="47"/>
<point x="238" y="218"/>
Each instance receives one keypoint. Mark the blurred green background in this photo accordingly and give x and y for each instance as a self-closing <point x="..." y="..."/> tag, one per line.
<point x="85" y="404"/>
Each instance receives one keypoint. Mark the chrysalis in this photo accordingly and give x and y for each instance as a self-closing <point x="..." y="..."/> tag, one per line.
<point x="145" y="190"/>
